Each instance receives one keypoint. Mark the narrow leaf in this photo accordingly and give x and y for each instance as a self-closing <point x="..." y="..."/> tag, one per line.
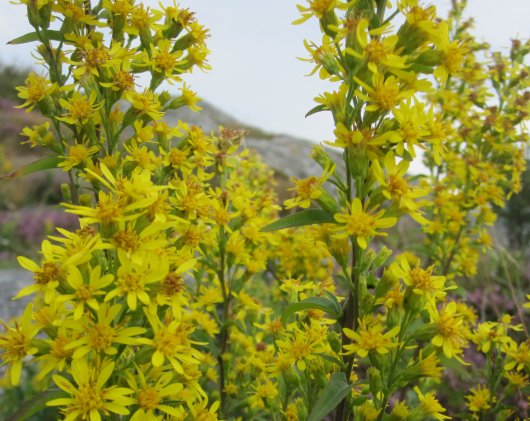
<point x="317" y="109"/>
<point x="334" y="301"/>
<point x="36" y="404"/>
<point x="306" y="217"/>
<point x="39" y="165"/>
<point x="33" y="36"/>
<point x="334" y="392"/>
<point x="318" y="303"/>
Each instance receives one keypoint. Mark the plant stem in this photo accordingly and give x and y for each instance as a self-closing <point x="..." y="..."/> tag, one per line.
<point x="350" y="320"/>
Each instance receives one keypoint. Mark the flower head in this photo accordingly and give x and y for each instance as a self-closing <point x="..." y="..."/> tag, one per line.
<point x="361" y="223"/>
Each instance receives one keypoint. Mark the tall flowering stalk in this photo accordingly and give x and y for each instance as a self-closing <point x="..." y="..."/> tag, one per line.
<point x="111" y="326"/>
<point x="399" y="92"/>
<point x="174" y="300"/>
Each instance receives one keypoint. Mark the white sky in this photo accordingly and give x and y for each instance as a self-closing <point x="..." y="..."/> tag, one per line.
<point x="256" y="76"/>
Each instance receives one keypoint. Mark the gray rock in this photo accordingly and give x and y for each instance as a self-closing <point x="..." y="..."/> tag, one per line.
<point x="11" y="281"/>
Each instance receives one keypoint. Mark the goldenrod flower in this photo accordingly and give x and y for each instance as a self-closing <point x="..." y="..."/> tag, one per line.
<point x="480" y="399"/>
<point x="58" y="356"/>
<point x="429" y="406"/>
<point x="362" y="224"/>
<point x="518" y="355"/>
<point x="35" y="90"/>
<point x="369" y="337"/>
<point x="80" y="109"/>
<point x="164" y="60"/>
<point x="154" y="396"/>
<point x="171" y="341"/>
<point x="453" y="54"/>
<point x="77" y="154"/>
<point x="412" y="129"/>
<point x="102" y="332"/>
<point x="396" y="187"/>
<point x="318" y="9"/>
<point x="420" y="281"/>
<point x="86" y="293"/>
<point x="451" y="334"/>
<point x="378" y="51"/>
<point x="134" y="276"/>
<point x="89" y="399"/>
<point x="517" y="379"/>
<point x="39" y="135"/>
<point x="384" y="95"/>
<point x="309" y="188"/>
<point x="17" y="343"/>
<point x="145" y="103"/>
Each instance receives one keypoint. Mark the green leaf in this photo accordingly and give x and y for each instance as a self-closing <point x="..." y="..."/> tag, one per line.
<point x="36" y="404"/>
<point x="332" y="360"/>
<point x="332" y="297"/>
<point x="334" y="392"/>
<point x="317" y="109"/>
<point x="39" y="165"/>
<point x="319" y="303"/>
<point x="33" y="36"/>
<point x="306" y="217"/>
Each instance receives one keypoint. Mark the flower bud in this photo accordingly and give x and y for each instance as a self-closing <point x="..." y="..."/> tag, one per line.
<point x="66" y="192"/>
<point x="374" y="380"/>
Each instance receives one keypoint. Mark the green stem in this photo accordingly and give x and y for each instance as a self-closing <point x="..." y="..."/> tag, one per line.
<point x="350" y="320"/>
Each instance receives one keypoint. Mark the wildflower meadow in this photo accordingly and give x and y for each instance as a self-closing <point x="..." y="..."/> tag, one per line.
<point x="188" y="291"/>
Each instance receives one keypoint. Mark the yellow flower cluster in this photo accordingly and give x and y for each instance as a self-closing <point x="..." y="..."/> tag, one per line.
<point x="398" y="321"/>
<point x="173" y="300"/>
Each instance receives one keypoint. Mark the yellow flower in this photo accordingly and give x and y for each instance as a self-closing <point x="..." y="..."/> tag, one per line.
<point x="480" y="399"/>
<point x="428" y="366"/>
<point x="52" y="270"/>
<point x="199" y="410"/>
<point x="385" y="94"/>
<point x="77" y="154"/>
<point x="16" y="344"/>
<point x="89" y="400"/>
<point x="38" y="135"/>
<point x="303" y="345"/>
<point x="453" y="54"/>
<point x="35" y="90"/>
<point x="519" y="380"/>
<point x="361" y="224"/>
<point x="518" y="355"/>
<point x="318" y="9"/>
<point x="151" y="394"/>
<point x="396" y="187"/>
<point x="400" y="411"/>
<point x="171" y="341"/>
<point x="135" y="274"/>
<point x="429" y="406"/>
<point x="164" y="60"/>
<point x="378" y="52"/>
<point x="489" y="334"/>
<point x="58" y="356"/>
<point x="370" y="337"/>
<point x="80" y="109"/>
<point x="86" y="293"/>
<point x="451" y="334"/>
<point x="145" y="103"/>
<point x="368" y="411"/>
<point x="420" y="281"/>
<point x="309" y="188"/>
<point x="102" y="332"/>
<point x="412" y="126"/>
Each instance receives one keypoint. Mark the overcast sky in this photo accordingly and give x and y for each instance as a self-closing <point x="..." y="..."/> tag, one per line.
<point x="256" y="76"/>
